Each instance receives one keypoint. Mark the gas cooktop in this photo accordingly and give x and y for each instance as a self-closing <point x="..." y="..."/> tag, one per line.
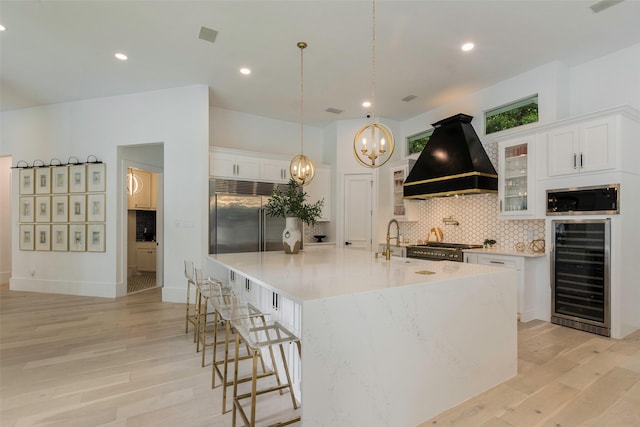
<point x="448" y="245"/>
<point x="439" y="251"/>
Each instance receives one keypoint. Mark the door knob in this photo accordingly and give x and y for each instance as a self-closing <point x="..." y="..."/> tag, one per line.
<point x="347" y="243"/>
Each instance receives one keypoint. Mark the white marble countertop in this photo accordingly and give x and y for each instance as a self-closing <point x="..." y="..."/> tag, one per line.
<point x="324" y="272"/>
<point x="505" y="251"/>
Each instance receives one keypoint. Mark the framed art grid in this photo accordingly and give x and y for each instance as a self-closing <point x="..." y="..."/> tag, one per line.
<point x="96" y="177"/>
<point x="77" y="208"/>
<point x="26" y="181"/>
<point x="95" y="238"/>
<point x="26" y="209"/>
<point x="26" y="237"/>
<point x="60" y="180"/>
<point x="43" y="209"/>
<point x="77" y="239"/>
<point x="77" y="179"/>
<point x="95" y="207"/>
<point x="59" y="237"/>
<point x="43" y="180"/>
<point x="59" y="209"/>
<point x="43" y="237"/>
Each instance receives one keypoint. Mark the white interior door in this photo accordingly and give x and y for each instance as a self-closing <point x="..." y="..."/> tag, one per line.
<point x="358" y="210"/>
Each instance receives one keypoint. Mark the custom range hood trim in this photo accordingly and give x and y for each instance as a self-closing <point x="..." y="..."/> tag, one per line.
<point x="454" y="151"/>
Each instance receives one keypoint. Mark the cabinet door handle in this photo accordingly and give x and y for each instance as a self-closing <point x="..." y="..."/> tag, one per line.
<point x="581" y="161"/>
<point x="496" y="262"/>
<point x="575" y="165"/>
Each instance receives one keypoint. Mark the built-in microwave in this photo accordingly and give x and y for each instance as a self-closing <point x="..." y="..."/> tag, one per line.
<point x="596" y="200"/>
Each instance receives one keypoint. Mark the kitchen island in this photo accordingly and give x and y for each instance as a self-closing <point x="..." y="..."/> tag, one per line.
<point x="387" y="343"/>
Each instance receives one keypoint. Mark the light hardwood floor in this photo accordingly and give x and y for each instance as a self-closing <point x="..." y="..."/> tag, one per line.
<point x="81" y="361"/>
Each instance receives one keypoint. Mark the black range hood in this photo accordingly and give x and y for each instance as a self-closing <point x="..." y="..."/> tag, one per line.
<point x="452" y="162"/>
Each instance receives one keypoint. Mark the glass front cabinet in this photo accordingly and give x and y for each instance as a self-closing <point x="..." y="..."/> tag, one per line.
<point x="516" y="178"/>
<point x="403" y="210"/>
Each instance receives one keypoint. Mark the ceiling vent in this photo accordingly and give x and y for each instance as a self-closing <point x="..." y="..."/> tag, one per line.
<point x="604" y="4"/>
<point x="409" y="98"/>
<point x="333" y="110"/>
<point x="207" y="34"/>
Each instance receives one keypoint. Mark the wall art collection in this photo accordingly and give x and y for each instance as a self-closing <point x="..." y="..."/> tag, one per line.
<point x="62" y="207"/>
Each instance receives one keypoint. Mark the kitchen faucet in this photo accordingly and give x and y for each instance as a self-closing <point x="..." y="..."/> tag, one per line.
<point x="387" y="250"/>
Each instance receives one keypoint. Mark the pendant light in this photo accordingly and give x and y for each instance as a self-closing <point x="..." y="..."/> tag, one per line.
<point x="373" y="144"/>
<point x="301" y="168"/>
<point x="134" y="183"/>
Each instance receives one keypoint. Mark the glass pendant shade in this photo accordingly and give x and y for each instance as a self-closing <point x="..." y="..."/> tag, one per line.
<point x="301" y="169"/>
<point x="373" y="145"/>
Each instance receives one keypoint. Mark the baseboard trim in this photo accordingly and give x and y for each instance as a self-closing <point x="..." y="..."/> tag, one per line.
<point x="5" y="276"/>
<point x="88" y="289"/>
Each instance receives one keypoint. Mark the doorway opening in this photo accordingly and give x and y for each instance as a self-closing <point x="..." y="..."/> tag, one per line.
<point x="142" y="205"/>
<point x="141" y="186"/>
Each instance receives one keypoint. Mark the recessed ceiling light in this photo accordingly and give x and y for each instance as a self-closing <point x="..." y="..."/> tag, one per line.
<point x="2" y="28"/>
<point x="468" y="46"/>
<point x="121" y="56"/>
<point x="246" y="71"/>
<point x="366" y="104"/>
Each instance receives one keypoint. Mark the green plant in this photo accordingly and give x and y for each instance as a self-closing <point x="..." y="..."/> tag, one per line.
<point x="489" y="242"/>
<point x="293" y="203"/>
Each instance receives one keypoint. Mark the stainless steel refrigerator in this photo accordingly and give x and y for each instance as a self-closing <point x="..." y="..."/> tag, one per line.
<point x="237" y="218"/>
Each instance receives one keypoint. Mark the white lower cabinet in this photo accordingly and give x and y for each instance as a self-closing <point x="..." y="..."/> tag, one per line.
<point x="146" y="256"/>
<point x="277" y="308"/>
<point x="531" y="276"/>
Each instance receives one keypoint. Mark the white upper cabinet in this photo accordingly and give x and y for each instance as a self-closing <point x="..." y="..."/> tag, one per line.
<point x="233" y="165"/>
<point x="275" y="170"/>
<point x="582" y="147"/>
<point x="516" y="178"/>
<point x="403" y="209"/>
<point x="319" y="189"/>
<point x="244" y="165"/>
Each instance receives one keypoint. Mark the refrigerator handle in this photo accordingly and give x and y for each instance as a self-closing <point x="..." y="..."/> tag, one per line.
<point x="261" y="227"/>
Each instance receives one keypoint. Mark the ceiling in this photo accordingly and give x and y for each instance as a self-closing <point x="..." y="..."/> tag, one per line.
<point x="57" y="51"/>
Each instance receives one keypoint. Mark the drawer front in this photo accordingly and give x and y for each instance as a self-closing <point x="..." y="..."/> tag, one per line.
<point x="501" y="261"/>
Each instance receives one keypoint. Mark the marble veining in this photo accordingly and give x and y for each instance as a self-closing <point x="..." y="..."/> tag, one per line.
<point x="383" y="346"/>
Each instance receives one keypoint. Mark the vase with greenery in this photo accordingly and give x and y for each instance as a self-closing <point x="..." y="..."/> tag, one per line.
<point x="292" y="204"/>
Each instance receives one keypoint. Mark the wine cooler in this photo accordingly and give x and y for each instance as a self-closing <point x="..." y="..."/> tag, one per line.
<point x="580" y="276"/>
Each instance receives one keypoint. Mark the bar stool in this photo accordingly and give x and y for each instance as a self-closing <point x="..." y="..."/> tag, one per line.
<point x="224" y="304"/>
<point x="203" y="326"/>
<point x="191" y="315"/>
<point x="259" y="337"/>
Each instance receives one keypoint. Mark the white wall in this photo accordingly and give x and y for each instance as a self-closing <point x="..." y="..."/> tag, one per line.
<point x="605" y="82"/>
<point x="177" y="118"/>
<point x="242" y="131"/>
<point x="5" y="219"/>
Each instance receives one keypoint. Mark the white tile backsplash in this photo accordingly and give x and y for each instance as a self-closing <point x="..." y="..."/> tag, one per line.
<point x="478" y="220"/>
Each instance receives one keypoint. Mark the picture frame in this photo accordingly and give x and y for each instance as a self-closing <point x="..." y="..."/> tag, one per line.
<point x="95" y="238"/>
<point x="27" y="213"/>
<point x="77" y="179"/>
<point x="59" y="237"/>
<point x="27" y="177"/>
<point x="43" y="237"/>
<point x="60" y="180"/>
<point x="43" y="209"/>
<point x="77" y="239"/>
<point x="77" y="208"/>
<point x="96" y="181"/>
<point x="95" y="207"/>
<point x="43" y="180"/>
<point x="59" y="209"/>
<point x="26" y="237"/>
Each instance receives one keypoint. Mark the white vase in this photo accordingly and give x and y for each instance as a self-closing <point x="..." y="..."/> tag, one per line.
<point x="291" y="236"/>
